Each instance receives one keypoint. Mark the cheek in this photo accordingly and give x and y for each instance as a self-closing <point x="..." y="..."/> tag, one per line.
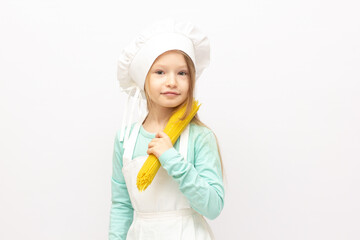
<point x="186" y="86"/>
<point x="154" y="85"/>
<point x="155" y="90"/>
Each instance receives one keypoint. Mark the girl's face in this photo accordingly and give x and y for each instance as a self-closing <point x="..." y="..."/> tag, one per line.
<point x="168" y="80"/>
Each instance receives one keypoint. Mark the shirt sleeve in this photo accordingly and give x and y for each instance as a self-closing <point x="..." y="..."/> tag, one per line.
<point x="200" y="182"/>
<point x="121" y="213"/>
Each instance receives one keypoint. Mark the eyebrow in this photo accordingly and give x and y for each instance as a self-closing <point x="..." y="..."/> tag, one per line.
<point x="164" y="66"/>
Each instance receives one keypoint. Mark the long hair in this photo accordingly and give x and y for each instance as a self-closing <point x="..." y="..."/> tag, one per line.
<point x="188" y="101"/>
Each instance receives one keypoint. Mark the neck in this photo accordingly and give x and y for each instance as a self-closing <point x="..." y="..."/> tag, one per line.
<point x="158" y="118"/>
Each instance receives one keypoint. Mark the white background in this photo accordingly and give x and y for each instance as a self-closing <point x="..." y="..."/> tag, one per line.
<point x="282" y="95"/>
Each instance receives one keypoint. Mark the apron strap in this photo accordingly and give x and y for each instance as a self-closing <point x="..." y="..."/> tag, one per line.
<point x="130" y="144"/>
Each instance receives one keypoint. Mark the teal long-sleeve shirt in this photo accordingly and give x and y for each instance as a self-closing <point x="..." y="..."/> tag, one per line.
<point x="199" y="178"/>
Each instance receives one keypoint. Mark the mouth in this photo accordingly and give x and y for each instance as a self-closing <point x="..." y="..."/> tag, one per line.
<point x="171" y="93"/>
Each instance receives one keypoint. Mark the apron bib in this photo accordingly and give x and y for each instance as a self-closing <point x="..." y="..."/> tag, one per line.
<point x="161" y="211"/>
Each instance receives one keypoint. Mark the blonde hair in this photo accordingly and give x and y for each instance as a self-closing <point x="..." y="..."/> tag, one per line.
<point x="188" y="101"/>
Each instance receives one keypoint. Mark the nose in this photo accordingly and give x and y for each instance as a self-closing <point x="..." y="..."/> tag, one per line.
<point x="171" y="80"/>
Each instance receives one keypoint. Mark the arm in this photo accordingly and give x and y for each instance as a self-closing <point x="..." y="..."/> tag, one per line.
<point x="201" y="183"/>
<point x="121" y="213"/>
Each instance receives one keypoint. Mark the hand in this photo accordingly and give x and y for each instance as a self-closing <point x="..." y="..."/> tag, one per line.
<point x="159" y="144"/>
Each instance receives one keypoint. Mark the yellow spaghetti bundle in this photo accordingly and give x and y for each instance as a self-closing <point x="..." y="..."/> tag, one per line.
<point x="173" y="129"/>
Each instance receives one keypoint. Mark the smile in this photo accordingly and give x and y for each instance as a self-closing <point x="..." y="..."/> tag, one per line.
<point x="170" y="94"/>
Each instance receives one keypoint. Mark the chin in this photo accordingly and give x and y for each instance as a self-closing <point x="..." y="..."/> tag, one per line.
<point x="169" y="105"/>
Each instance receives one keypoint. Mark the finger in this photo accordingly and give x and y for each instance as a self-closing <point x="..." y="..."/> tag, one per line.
<point x="152" y="144"/>
<point x="161" y="134"/>
<point x="150" y="149"/>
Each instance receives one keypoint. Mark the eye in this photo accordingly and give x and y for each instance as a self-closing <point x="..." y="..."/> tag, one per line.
<point x="183" y="73"/>
<point x="159" y="72"/>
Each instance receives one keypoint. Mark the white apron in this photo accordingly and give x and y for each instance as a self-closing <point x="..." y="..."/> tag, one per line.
<point x="161" y="212"/>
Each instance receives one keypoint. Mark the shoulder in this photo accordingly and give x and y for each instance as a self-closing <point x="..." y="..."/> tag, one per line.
<point x="205" y="144"/>
<point x="199" y="133"/>
<point x="118" y="131"/>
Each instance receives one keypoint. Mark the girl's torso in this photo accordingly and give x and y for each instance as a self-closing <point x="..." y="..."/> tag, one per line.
<point x="161" y="211"/>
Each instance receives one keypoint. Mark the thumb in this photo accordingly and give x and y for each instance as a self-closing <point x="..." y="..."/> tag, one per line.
<point x="160" y="134"/>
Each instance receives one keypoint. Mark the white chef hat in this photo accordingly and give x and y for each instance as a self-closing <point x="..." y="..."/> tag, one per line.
<point x="137" y="58"/>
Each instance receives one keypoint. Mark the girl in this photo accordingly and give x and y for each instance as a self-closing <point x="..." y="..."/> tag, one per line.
<point x="161" y="66"/>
